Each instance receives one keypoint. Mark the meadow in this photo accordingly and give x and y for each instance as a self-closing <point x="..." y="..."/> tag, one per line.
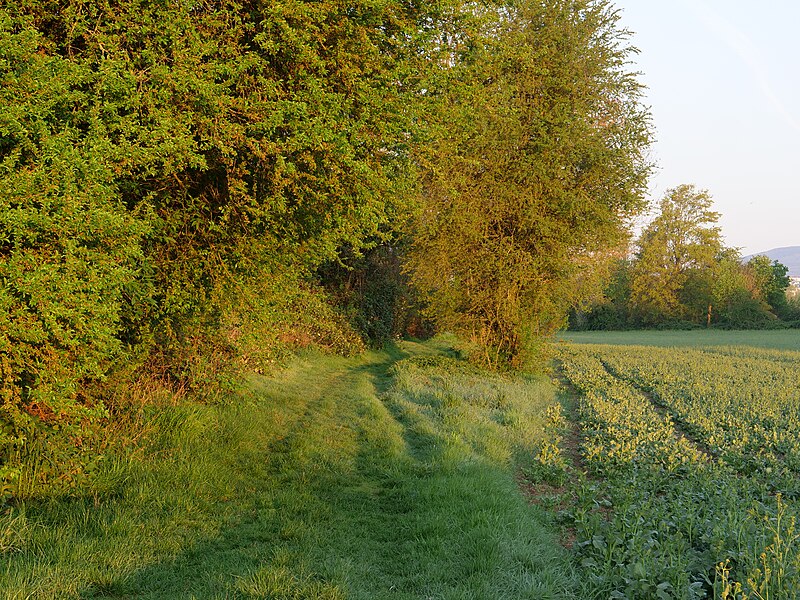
<point x="389" y="475"/>
<point x="632" y="471"/>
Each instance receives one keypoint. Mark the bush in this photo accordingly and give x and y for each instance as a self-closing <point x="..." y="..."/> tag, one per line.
<point x="745" y="312"/>
<point x="373" y="292"/>
<point x="68" y="251"/>
<point x="155" y="160"/>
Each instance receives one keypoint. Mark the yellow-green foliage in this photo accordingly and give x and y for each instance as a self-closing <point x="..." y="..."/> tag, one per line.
<point x="745" y="405"/>
<point x="539" y="155"/>
<point x="621" y="427"/>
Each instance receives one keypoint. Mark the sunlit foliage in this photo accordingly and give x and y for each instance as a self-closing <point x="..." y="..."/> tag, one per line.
<point x="537" y="161"/>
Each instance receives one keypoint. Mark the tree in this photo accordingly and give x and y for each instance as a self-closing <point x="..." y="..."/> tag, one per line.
<point x="735" y="295"/>
<point x="677" y="254"/>
<point x="536" y="163"/>
<point x="609" y="309"/>
<point x="771" y="280"/>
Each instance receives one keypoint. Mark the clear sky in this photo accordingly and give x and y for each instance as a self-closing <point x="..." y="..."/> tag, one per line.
<point x="723" y="80"/>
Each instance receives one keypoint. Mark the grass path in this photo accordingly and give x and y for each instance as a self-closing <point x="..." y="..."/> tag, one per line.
<point x="387" y="476"/>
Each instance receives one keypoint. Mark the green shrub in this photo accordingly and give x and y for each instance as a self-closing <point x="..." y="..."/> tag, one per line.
<point x="156" y="159"/>
<point x="68" y="249"/>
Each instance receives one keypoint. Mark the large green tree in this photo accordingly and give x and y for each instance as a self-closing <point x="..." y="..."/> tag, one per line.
<point x="771" y="280"/>
<point x="678" y="250"/>
<point x="735" y="298"/>
<point x="536" y="163"/>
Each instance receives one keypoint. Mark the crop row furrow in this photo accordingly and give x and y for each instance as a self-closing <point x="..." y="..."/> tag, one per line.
<point x="747" y="414"/>
<point x="685" y="432"/>
<point x="621" y="427"/>
<point x="661" y="519"/>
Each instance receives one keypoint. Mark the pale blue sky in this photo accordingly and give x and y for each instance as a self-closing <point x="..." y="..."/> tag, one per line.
<point x="724" y="89"/>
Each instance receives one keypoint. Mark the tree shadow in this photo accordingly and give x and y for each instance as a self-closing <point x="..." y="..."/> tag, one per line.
<point x="296" y="536"/>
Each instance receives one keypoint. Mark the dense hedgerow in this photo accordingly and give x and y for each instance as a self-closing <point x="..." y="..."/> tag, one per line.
<point x="159" y="161"/>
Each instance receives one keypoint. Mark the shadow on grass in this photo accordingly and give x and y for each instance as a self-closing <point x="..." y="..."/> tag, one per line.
<point x="304" y="525"/>
<point x="355" y="501"/>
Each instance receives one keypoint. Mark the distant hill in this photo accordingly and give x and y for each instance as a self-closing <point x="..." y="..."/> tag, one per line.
<point x="788" y="256"/>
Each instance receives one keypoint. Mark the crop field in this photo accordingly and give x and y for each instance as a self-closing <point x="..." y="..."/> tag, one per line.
<point x="778" y="339"/>
<point x="689" y="470"/>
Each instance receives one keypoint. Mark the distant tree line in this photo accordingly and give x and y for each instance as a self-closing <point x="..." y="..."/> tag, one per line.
<point x="682" y="276"/>
<point x="190" y="188"/>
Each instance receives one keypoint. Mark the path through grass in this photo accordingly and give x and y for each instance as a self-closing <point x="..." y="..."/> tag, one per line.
<point x="388" y="476"/>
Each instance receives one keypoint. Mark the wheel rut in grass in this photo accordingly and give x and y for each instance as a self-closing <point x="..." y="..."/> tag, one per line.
<point x="560" y="498"/>
<point x="433" y="516"/>
<point x="333" y="404"/>
<point x="572" y="437"/>
<point x="306" y="487"/>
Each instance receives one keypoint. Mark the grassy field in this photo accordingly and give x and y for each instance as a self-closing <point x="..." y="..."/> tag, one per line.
<point x="393" y="475"/>
<point x="409" y="474"/>
<point x="783" y="339"/>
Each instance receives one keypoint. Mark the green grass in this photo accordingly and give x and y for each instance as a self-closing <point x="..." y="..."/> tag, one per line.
<point x="784" y="339"/>
<point x="387" y="476"/>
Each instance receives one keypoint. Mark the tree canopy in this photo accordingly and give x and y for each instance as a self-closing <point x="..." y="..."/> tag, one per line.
<point x="682" y="274"/>
<point x="676" y="254"/>
<point x="537" y="161"/>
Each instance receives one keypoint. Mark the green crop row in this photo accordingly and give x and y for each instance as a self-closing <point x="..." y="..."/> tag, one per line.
<point x="744" y="407"/>
<point x="681" y="511"/>
<point x="621" y="427"/>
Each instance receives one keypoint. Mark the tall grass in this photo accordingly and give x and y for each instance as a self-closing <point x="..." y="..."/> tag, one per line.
<point x="385" y="476"/>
